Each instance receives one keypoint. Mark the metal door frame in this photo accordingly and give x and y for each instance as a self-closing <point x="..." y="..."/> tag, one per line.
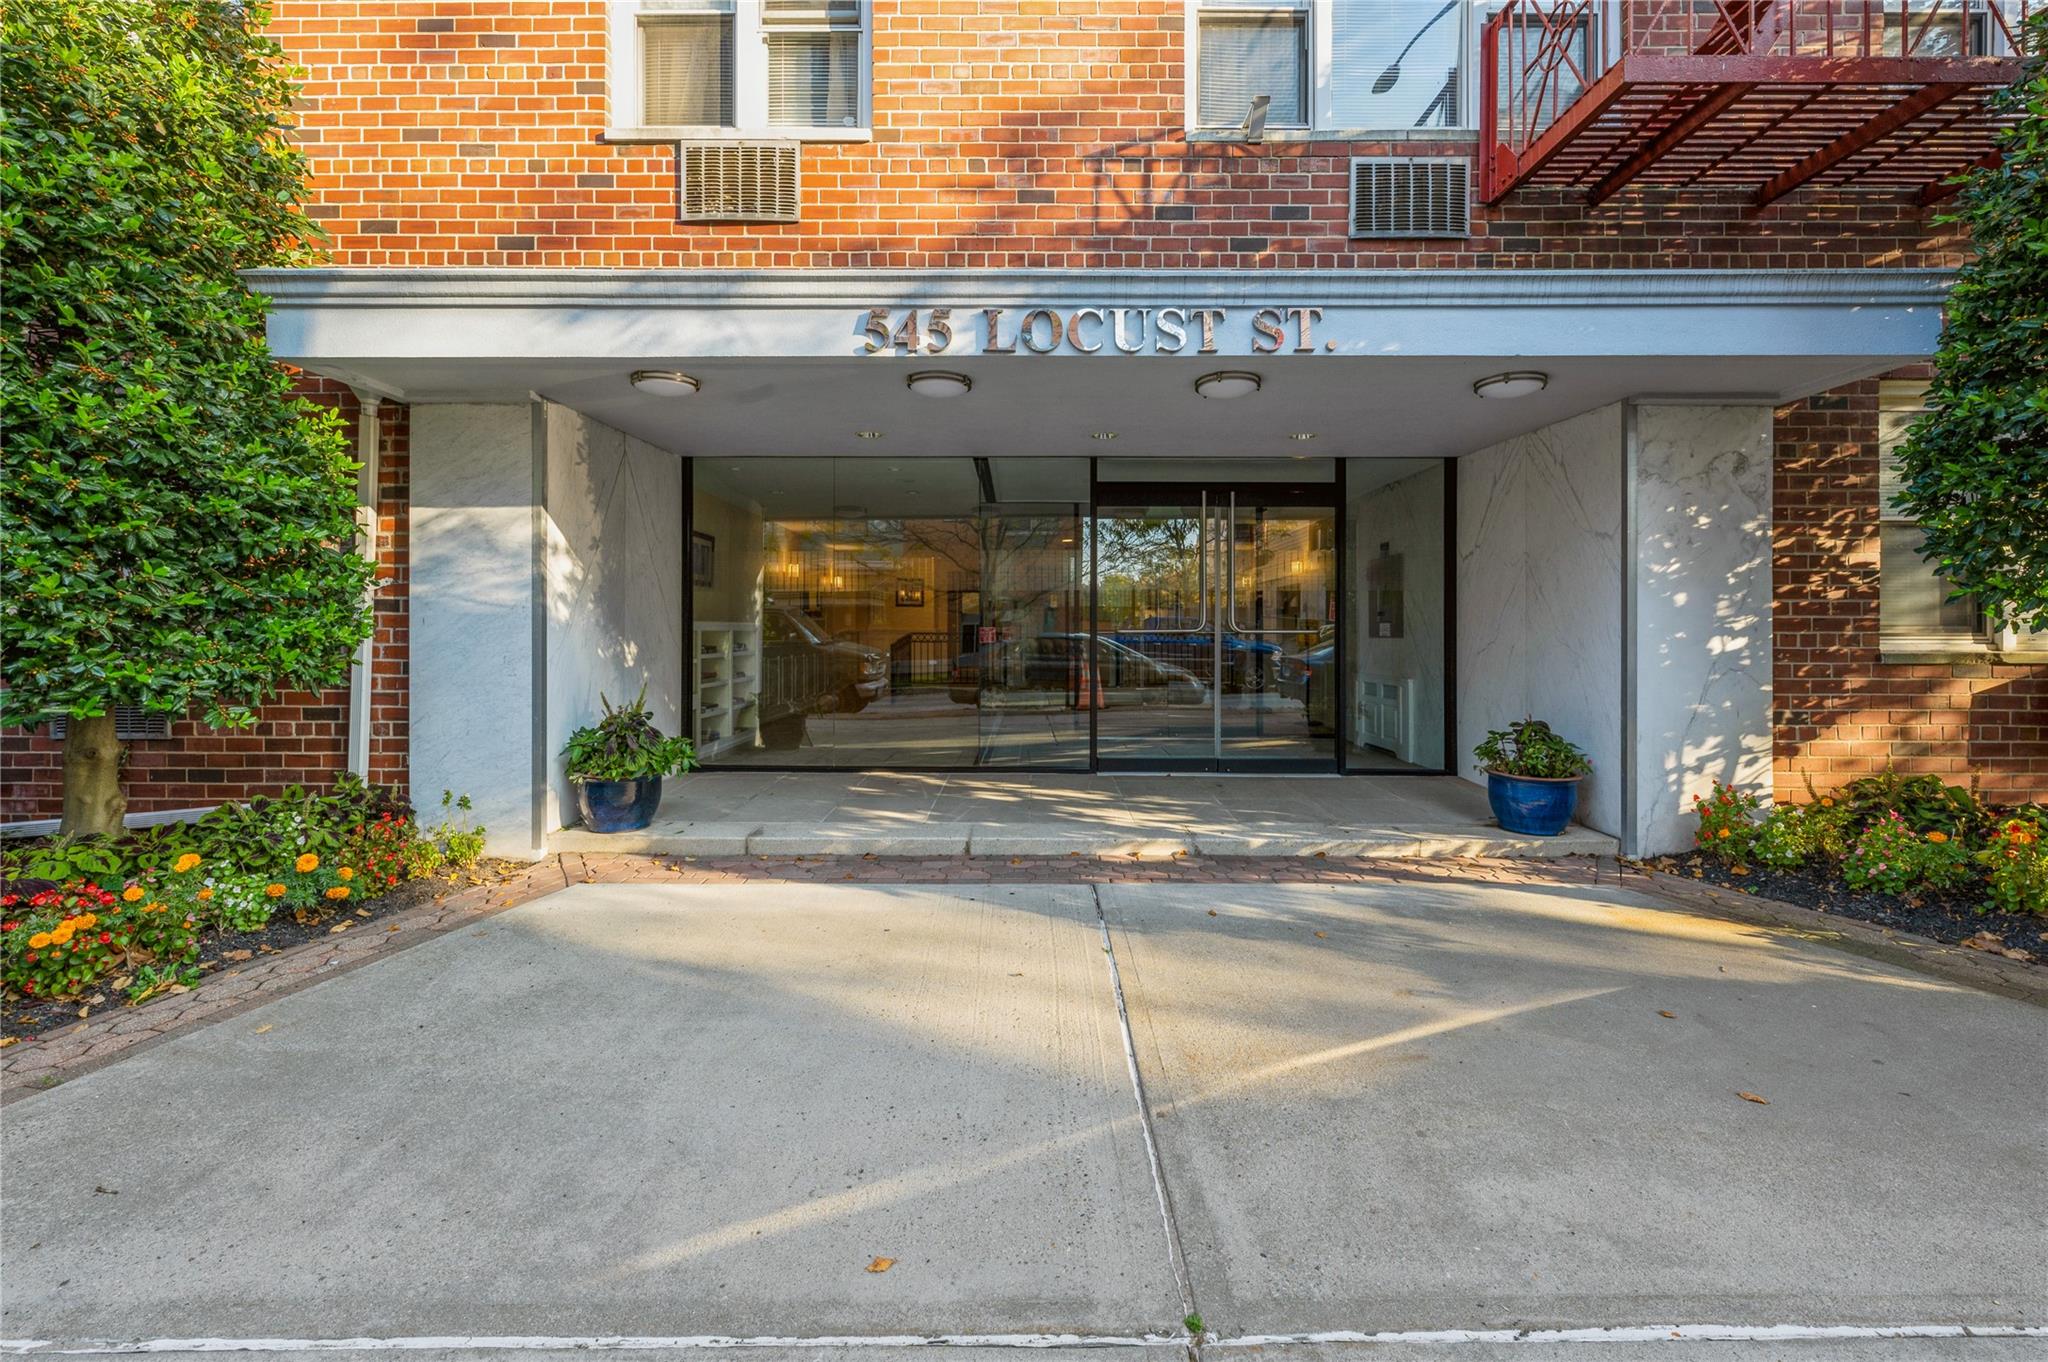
<point x="1317" y="496"/>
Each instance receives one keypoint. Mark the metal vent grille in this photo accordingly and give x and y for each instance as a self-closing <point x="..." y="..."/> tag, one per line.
<point x="1411" y="196"/>
<point x="739" y="181"/>
<point x="131" y="722"/>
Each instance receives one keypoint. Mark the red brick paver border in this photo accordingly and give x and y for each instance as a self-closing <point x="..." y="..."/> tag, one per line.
<point x="54" y="1057"/>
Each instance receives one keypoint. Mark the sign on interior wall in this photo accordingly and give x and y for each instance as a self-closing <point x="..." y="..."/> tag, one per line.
<point x="1089" y="330"/>
<point x="1384" y="595"/>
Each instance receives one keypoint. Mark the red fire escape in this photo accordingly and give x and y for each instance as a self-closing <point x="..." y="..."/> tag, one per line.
<point x="1763" y="95"/>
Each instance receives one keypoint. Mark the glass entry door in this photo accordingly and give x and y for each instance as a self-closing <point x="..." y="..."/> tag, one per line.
<point x="1215" y="644"/>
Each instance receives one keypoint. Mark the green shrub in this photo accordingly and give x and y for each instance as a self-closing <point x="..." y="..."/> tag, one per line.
<point x="462" y="846"/>
<point x="625" y="745"/>
<point x="1892" y="858"/>
<point x="231" y="902"/>
<point x="1923" y="803"/>
<point x="1727" y="828"/>
<point x="422" y="858"/>
<point x="61" y="942"/>
<point x="1530" y="748"/>
<point x="1786" y="839"/>
<point x="312" y="884"/>
<point x="2017" y="861"/>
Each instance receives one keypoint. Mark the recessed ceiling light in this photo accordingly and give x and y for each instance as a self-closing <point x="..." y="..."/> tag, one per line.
<point x="1303" y="435"/>
<point x="938" y="383"/>
<point x="1517" y="384"/>
<point x="1227" y="383"/>
<point x="867" y="434"/>
<point x="665" y="382"/>
<point x="1103" y="435"/>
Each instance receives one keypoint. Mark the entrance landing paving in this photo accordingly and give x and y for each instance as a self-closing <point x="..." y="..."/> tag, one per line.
<point x="1416" y="1107"/>
<point x="734" y="813"/>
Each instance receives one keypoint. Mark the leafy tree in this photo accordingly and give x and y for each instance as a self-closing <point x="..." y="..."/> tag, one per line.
<point x="176" y="527"/>
<point x="1975" y="468"/>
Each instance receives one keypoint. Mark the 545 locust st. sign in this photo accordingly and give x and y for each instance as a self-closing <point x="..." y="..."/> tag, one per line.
<point x="1088" y="330"/>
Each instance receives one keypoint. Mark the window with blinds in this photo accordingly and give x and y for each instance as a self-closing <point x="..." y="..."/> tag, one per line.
<point x="1245" y="52"/>
<point x="686" y="70"/>
<point x="814" y="66"/>
<point x="1913" y="599"/>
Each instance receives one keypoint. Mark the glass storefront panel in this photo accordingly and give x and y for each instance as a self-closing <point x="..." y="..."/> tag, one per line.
<point x="918" y="614"/>
<point x="1394" y="615"/>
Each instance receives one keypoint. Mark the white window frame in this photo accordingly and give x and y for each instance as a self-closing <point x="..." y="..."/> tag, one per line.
<point x="1321" y="27"/>
<point x="623" y="118"/>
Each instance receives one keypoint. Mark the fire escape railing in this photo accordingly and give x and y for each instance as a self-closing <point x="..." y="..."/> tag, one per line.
<point x="1543" y="61"/>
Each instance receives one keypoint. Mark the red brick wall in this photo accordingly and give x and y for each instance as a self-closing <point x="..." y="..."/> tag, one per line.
<point x="301" y="738"/>
<point x="1839" y="711"/>
<point x="1021" y="133"/>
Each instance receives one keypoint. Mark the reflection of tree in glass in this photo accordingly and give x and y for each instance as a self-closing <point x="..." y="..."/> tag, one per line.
<point x="1150" y="569"/>
<point x="1019" y="562"/>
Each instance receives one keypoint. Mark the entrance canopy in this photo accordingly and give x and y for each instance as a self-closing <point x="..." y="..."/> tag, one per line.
<point x="1061" y="362"/>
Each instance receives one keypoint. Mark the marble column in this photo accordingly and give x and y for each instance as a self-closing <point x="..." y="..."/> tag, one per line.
<point x="1700" y="613"/>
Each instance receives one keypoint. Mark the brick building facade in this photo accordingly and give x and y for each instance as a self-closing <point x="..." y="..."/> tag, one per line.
<point x="483" y="186"/>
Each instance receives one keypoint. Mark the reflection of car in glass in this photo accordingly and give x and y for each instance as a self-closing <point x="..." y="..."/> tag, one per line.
<point x="1028" y="671"/>
<point x="1244" y="659"/>
<point x="806" y="671"/>
<point x="1309" y="676"/>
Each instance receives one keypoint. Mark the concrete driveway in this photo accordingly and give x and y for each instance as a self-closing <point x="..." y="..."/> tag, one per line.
<point x="1441" y="1113"/>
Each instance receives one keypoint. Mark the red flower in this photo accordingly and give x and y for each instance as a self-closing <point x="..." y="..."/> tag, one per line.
<point x="105" y="937"/>
<point x="30" y="986"/>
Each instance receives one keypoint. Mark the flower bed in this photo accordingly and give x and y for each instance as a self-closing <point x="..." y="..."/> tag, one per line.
<point x="94" y="923"/>
<point x="1908" y="852"/>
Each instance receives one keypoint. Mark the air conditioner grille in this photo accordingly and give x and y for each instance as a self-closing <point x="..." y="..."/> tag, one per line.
<point x="739" y="181"/>
<point x="131" y="723"/>
<point x="1411" y="196"/>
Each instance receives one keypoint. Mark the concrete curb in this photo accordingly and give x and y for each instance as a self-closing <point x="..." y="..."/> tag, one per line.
<point x="1957" y="964"/>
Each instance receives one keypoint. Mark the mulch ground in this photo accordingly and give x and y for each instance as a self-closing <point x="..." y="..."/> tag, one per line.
<point x="1954" y="918"/>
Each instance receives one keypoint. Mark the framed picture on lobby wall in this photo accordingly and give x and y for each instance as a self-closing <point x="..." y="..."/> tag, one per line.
<point x="703" y="559"/>
<point x="910" y="591"/>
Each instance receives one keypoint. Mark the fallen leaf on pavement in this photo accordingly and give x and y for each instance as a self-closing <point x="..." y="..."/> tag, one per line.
<point x="1752" y="1097"/>
<point x="261" y="1029"/>
<point x="339" y="927"/>
<point x="238" y="955"/>
<point x="1985" y="941"/>
<point x="881" y="1264"/>
<point x="1667" y="1014"/>
<point x="6" y="1041"/>
<point x="1322" y="936"/>
<point x="362" y="912"/>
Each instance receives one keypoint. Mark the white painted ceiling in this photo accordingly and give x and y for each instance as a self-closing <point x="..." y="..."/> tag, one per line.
<point x="1052" y="406"/>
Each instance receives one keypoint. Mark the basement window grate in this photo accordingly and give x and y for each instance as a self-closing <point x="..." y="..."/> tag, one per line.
<point x="1411" y="196"/>
<point x="132" y="723"/>
<point x="738" y="181"/>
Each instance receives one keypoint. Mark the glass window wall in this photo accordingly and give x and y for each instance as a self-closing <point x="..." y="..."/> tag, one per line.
<point x="859" y="613"/>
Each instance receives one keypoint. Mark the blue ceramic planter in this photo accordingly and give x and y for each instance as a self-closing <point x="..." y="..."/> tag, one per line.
<point x="1532" y="805"/>
<point x="617" y="805"/>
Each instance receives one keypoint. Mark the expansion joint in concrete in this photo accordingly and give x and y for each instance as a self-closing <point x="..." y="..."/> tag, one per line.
<point x="1176" y="1258"/>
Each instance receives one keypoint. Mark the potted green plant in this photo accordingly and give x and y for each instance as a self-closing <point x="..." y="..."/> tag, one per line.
<point x="617" y="765"/>
<point x="1532" y="777"/>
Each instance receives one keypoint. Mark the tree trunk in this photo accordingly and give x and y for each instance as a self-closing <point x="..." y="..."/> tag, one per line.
<point x="93" y="802"/>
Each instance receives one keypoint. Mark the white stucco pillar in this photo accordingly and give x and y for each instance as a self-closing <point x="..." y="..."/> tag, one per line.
<point x="478" y="628"/>
<point x="1697" y="614"/>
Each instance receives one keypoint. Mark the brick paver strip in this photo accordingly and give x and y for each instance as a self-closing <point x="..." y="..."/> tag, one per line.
<point x="35" y="1064"/>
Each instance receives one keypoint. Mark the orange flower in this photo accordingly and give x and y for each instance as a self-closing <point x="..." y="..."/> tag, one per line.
<point x="306" y="864"/>
<point x="62" y="934"/>
<point x="205" y="895"/>
<point x="39" y="941"/>
<point x="1937" y="836"/>
<point x="346" y="873"/>
<point x="1827" y="801"/>
<point x="340" y="891"/>
<point x="1724" y="833"/>
<point x="89" y="920"/>
<point x="275" y="891"/>
<point x="132" y="894"/>
<point x="185" y="862"/>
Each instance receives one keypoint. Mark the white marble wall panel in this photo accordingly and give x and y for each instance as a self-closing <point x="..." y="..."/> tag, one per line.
<point x="613" y="576"/>
<point x="1703" y="611"/>
<point x="1540" y="595"/>
<point x="472" y="612"/>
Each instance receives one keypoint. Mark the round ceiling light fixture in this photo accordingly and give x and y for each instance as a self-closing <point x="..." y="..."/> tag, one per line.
<point x="938" y="383"/>
<point x="1227" y="383"/>
<point x="1518" y="384"/>
<point x="665" y="382"/>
